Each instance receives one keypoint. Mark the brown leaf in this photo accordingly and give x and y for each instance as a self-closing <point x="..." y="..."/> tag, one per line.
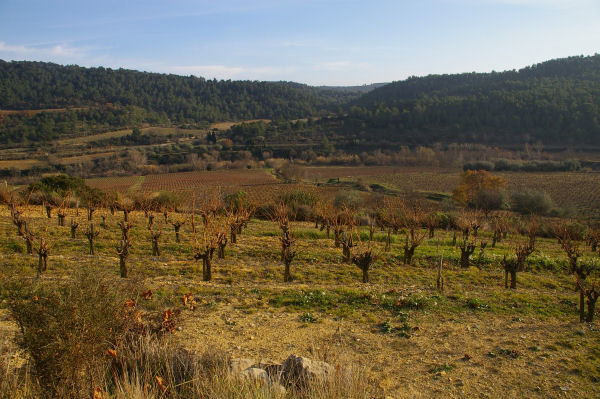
<point x="147" y="295"/>
<point x="161" y="383"/>
<point x="129" y="303"/>
<point x="98" y="393"/>
<point x="112" y="352"/>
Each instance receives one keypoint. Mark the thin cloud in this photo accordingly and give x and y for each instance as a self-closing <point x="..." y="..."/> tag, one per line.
<point x="61" y="50"/>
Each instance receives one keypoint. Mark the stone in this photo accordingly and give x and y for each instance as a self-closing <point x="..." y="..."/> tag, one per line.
<point x="299" y="371"/>
<point x="278" y="390"/>
<point x="255" y="374"/>
<point x="272" y="369"/>
<point x="236" y="366"/>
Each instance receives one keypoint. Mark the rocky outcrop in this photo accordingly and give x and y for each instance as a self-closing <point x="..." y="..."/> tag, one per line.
<point x="300" y="371"/>
<point x="295" y="371"/>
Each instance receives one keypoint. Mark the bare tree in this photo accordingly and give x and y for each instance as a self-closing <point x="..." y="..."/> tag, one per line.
<point x="29" y="237"/>
<point x="91" y="235"/>
<point x="177" y="223"/>
<point x="123" y="248"/>
<point x="364" y="258"/>
<point x="61" y="212"/>
<point x="74" y="225"/>
<point x="347" y="238"/>
<point x="466" y="250"/>
<point x="388" y="219"/>
<point x="500" y="225"/>
<point x="469" y="222"/>
<point x="571" y="248"/>
<point x="412" y="218"/>
<point x="205" y="247"/>
<point x="326" y="213"/>
<point x="154" y="237"/>
<point x="19" y="221"/>
<point x="125" y="227"/>
<point x="516" y="264"/>
<point x="592" y="292"/>
<point x="125" y="205"/>
<point x="281" y="215"/>
<point x="43" y="251"/>
<point x="238" y="217"/>
<point x="592" y="238"/>
<point x="432" y="221"/>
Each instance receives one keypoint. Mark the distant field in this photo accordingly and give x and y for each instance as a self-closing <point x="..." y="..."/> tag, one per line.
<point x="124" y="132"/>
<point x="581" y="190"/>
<point x="227" y="125"/>
<point x="120" y="183"/>
<point x="565" y="188"/>
<point x="84" y="158"/>
<point x="258" y="183"/>
<point x="20" y="163"/>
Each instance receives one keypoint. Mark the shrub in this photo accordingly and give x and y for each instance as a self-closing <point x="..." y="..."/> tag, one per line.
<point x="166" y="199"/>
<point x="67" y="329"/>
<point x="348" y="199"/>
<point x="531" y="201"/>
<point x="236" y="201"/>
<point x="479" y="165"/>
<point x="298" y="196"/>
<point x="489" y="200"/>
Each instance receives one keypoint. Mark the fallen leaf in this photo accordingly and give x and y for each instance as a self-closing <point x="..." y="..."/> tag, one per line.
<point x="147" y="295"/>
<point x="161" y="383"/>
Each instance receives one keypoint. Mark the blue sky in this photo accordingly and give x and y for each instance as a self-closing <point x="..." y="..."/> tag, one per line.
<point x="331" y="42"/>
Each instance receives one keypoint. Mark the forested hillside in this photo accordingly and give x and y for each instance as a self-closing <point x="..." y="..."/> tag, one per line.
<point x="556" y="102"/>
<point x="116" y="98"/>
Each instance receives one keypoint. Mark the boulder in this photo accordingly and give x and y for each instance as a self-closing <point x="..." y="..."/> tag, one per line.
<point x="236" y="366"/>
<point x="299" y="371"/>
<point x="256" y="375"/>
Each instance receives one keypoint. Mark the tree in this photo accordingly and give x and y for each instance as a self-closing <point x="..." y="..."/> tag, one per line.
<point x="570" y="245"/>
<point x="281" y="215"/>
<point x="531" y="202"/>
<point x="123" y="248"/>
<point x="516" y="264"/>
<point x="412" y="218"/>
<point x="213" y="227"/>
<point x="478" y="185"/>
<point x="489" y="200"/>
<point x="364" y="259"/>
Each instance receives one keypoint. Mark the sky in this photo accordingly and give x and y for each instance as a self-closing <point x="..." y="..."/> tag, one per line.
<point x="318" y="42"/>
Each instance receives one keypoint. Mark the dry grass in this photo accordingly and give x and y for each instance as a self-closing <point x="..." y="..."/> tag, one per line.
<point x="20" y="163"/>
<point x="163" y="131"/>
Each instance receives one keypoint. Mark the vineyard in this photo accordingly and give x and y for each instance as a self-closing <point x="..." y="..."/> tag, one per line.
<point x="581" y="191"/>
<point x="373" y="283"/>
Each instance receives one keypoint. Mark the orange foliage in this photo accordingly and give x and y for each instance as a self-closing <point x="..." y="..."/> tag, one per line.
<point x="475" y="181"/>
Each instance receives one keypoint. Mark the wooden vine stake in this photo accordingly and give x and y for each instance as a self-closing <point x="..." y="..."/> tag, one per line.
<point x="440" y="278"/>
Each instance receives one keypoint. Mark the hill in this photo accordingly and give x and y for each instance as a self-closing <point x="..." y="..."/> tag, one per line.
<point x="555" y="102"/>
<point x="102" y="98"/>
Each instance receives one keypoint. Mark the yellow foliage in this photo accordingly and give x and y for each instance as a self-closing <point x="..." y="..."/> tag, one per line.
<point x="475" y="181"/>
